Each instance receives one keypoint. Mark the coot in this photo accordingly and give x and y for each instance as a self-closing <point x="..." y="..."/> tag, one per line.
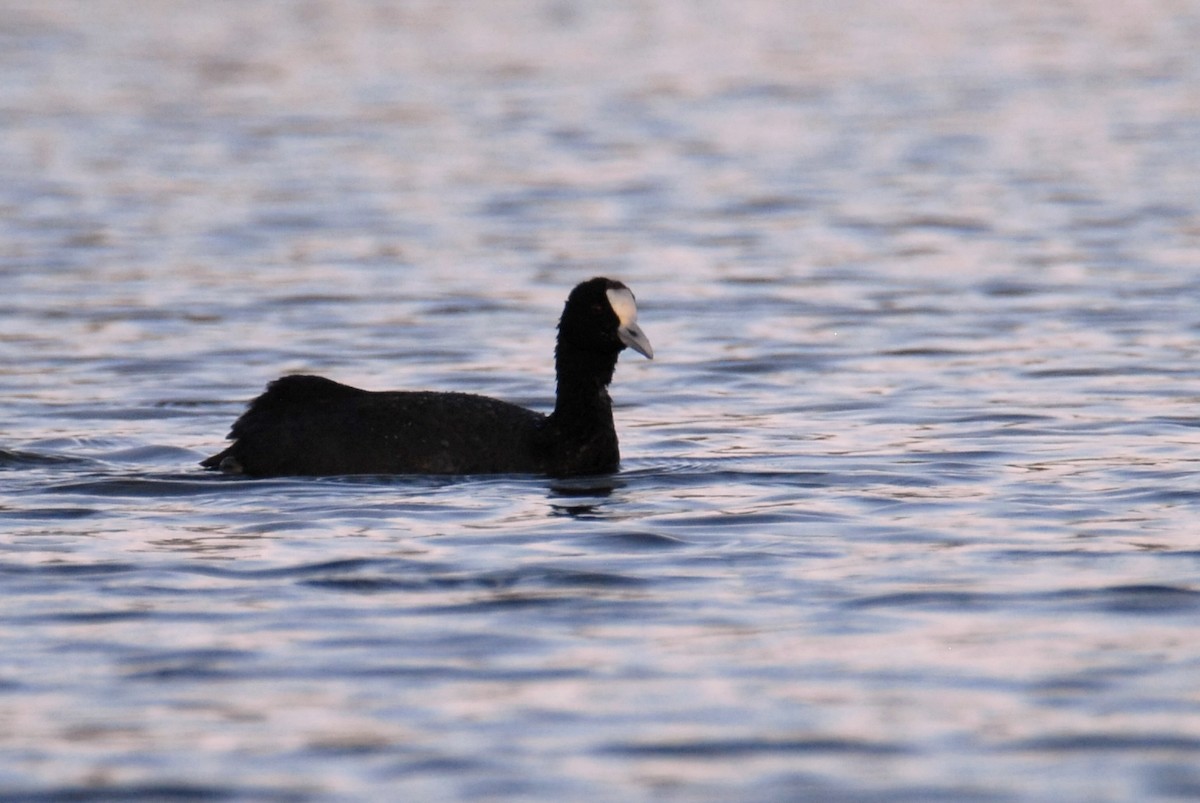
<point x="308" y="425"/>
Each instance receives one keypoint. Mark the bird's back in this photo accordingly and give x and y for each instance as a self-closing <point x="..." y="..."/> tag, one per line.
<point x="308" y="425"/>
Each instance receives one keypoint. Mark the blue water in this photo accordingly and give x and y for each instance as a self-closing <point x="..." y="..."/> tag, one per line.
<point x="908" y="502"/>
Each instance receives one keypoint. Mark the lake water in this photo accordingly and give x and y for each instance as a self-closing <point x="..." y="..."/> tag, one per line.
<point x="909" y="499"/>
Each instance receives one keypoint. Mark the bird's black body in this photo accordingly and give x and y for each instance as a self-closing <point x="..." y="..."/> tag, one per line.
<point x="308" y="425"/>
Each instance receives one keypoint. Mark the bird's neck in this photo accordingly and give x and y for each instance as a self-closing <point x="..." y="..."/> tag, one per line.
<point x="583" y="378"/>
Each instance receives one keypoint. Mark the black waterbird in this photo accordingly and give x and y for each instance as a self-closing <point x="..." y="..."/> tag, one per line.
<point x="309" y="425"/>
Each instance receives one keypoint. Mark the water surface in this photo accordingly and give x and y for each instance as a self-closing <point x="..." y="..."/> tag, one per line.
<point x="908" y="499"/>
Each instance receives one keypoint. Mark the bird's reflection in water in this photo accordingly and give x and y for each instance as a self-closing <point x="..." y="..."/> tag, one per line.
<point x="586" y="494"/>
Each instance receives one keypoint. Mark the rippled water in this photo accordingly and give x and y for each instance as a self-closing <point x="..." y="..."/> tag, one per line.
<point x="908" y="502"/>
